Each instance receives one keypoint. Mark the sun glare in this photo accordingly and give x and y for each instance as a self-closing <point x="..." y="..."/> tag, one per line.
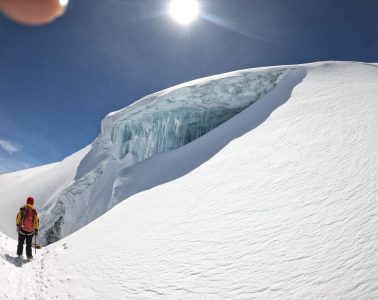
<point x="63" y="2"/>
<point x="184" y="11"/>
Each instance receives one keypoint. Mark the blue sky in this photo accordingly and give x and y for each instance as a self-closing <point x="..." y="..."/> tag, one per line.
<point x="57" y="82"/>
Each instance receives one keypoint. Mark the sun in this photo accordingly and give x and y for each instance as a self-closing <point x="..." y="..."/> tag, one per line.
<point x="184" y="11"/>
<point x="63" y="2"/>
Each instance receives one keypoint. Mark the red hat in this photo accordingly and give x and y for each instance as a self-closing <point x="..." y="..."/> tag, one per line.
<point x="30" y="201"/>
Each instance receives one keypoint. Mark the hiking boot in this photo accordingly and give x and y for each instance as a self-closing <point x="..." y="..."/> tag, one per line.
<point x="30" y="258"/>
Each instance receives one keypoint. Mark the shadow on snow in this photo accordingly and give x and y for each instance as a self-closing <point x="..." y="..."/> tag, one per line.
<point x="15" y="260"/>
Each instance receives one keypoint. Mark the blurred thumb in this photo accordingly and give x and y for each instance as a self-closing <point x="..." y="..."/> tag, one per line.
<point x="33" y="12"/>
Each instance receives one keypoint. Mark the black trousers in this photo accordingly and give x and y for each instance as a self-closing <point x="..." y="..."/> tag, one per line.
<point x="20" y="246"/>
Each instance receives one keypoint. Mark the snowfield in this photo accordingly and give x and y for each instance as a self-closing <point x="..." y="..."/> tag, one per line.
<point x="278" y="202"/>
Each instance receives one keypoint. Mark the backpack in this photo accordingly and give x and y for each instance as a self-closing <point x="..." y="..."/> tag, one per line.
<point x="28" y="219"/>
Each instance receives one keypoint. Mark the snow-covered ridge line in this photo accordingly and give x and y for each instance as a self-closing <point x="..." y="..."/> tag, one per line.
<point x="156" y="124"/>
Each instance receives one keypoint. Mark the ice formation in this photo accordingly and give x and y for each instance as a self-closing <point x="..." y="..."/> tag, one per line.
<point x="155" y="124"/>
<point x="177" y="116"/>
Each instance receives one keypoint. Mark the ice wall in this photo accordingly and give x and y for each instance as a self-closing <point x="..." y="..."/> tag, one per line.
<point x="175" y="117"/>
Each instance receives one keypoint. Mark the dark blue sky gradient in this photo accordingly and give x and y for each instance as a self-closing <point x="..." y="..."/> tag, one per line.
<point x="57" y="82"/>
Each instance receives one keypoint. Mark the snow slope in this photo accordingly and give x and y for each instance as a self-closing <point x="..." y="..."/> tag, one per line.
<point x="114" y="168"/>
<point x="44" y="183"/>
<point x="283" y="206"/>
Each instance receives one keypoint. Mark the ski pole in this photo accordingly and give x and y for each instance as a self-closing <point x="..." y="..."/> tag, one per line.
<point x="35" y="244"/>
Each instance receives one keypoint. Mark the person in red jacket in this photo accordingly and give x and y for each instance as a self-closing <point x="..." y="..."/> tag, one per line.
<point x="27" y="223"/>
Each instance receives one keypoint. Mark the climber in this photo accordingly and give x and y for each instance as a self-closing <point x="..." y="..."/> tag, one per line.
<point x="27" y="223"/>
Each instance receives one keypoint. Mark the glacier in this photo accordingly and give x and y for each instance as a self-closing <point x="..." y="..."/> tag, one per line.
<point x="158" y="123"/>
<point x="175" y="117"/>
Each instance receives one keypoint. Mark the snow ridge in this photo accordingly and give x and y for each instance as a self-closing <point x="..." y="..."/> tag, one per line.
<point x="158" y="123"/>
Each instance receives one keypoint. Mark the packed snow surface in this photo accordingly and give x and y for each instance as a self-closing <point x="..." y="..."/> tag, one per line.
<point x="279" y="202"/>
